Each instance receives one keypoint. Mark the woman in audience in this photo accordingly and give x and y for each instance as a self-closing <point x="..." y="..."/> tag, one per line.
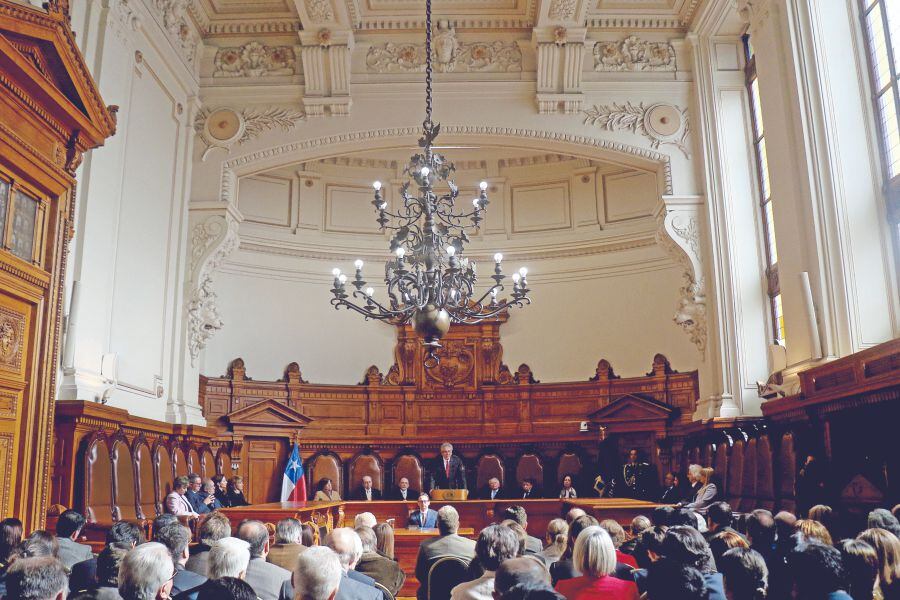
<point x="639" y="524"/>
<point x="221" y="489"/>
<point x="825" y="515"/>
<point x="814" y="530"/>
<point x="10" y="538"/>
<point x="861" y="562"/>
<point x="744" y="573"/>
<point x="707" y="493"/>
<point x="226" y="588"/>
<point x="236" y="492"/>
<point x="686" y="545"/>
<point x="724" y="541"/>
<point x="325" y="491"/>
<point x="557" y="533"/>
<point x="595" y="558"/>
<point x="617" y="535"/>
<point x="568" y="487"/>
<point x="565" y="568"/>
<point x="887" y="547"/>
<point x="385" y="536"/>
<point x="670" y="580"/>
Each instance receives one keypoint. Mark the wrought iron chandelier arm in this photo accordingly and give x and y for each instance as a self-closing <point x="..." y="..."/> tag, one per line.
<point x="382" y="314"/>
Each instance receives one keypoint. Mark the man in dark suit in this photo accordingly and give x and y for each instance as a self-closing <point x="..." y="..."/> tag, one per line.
<point x="404" y="492"/>
<point x="671" y="494"/>
<point x="68" y="529"/>
<point x="491" y="491"/>
<point x="448" y="543"/>
<point x="84" y="574"/>
<point x="424" y="518"/>
<point x="516" y="513"/>
<point x="354" y="585"/>
<point x="270" y="582"/>
<point x="448" y="472"/>
<point x="529" y="490"/>
<point x="176" y="537"/>
<point x="366" y="492"/>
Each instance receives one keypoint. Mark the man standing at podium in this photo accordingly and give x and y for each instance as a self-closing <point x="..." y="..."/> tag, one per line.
<point x="448" y="472"/>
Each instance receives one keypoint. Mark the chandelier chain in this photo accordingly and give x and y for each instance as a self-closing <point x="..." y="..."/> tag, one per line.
<point x="427" y="124"/>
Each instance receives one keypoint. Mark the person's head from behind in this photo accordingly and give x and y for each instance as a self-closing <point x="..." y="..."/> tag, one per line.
<point x="365" y="519"/>
<point x="11" y="530"/>
<point x="517" y="513"/>
<point x="226" y="588"/>
<point x="447" y="520"/>
<point x="724" y="541"/>
<point x="887" y="547"/>
<point x="652" y="542"/>
<point x="557" y="532"/>
<point x="861" y="563"/>
<point x="687" y="546"/>
<point x="163" y="520"/>
<point x="883" y="519"/>
<point x="39" y="578"/>
<point x="125" y="534"/>
<point x="573" y="514"/>
<point x="368" y="538"/>
<point x="39" y="543"/>
<point x="813" y="530"/>
<point x="745" y="573"/>
<point x="288" y="531"/>
<point x="108" y="563"/>
<point x="519" y="571"/>
<point x="214" y="528"/>
<point x="176" y="538"/>
<point x="228" y="557"/>
<point x="521" y="535"/>
<point x="669" y="579"/>
<point x="146" y="573"/>
<point x="69" y="524"/>
<point x="816" y="570"/>
<point x="784" y="526"/>
<point x="661" y="515"/>
<point x="384" y="533"/>
<point x="594" y="554"/>
<point x="308" y="537"/>
<point x="761" y="529"/>
<point x="255" y="533"/>
<point x="640" y="524"/>
<point x="317" y="574"/>
<point x="496" y="544"/>
<point x="616" y="532"/>
<point x="530" y="591"/>
<point x="718" y="516"/>
<point x="346" y="544"/>
<point x="575" y="528"/>
<point x="822" y="513"/>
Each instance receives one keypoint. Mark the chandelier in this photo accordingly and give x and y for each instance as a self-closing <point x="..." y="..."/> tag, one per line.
<point x="429" y="280"/>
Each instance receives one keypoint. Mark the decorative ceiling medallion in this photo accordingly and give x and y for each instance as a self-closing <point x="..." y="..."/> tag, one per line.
<point x="633" y="54"/>
<point x="12" y="331"/>
<point x="660" y="123"/>
<point x="225" y="127"/>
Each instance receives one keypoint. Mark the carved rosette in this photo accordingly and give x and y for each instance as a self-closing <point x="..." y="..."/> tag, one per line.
<point x="678" y="232"/>
<point x="214" y="235"/>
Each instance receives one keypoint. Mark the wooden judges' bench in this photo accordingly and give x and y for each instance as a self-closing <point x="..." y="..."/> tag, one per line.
<point x="474" y="515"/>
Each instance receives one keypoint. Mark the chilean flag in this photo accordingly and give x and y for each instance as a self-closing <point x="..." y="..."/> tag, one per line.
<point x="293" y="486"/>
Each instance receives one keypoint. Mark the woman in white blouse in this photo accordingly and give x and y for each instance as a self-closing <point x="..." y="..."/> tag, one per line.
<point x="567" y="490"/>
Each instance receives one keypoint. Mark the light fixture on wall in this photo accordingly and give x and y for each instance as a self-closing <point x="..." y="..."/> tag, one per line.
<point x="429" y="281"/>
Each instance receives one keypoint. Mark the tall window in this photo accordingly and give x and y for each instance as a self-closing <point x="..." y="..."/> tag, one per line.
<point x="765" y="194"/>
<point x="881" y="23"/>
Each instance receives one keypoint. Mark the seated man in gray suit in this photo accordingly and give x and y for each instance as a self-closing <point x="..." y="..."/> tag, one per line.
<point x="354" y="586"/>
<point x="517" y="513"/>
<point x="447" y="544"/>
<point x="68" y="528"/>
<point x="270" y="582"/>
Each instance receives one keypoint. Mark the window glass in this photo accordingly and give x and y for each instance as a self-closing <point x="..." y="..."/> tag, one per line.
<point x="24" y="221"/>
<point x="4" y="206"/>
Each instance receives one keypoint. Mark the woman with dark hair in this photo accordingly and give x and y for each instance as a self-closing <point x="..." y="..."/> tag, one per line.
<point x="861" y="562"/>
<point x="10" y="537"/>
<point x="221" y="489"/>
<point x="568" y="487"/>
<point x="384" y="535"/>
<point x="236" y="492"/>
<point x="307" y="535"/>
<point x="686" y="545"/>
<point x="745" y="574"/>
<point x="325" y="491"/>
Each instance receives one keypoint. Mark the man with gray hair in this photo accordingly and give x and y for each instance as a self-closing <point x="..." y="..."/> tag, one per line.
<point x="176" y="538"/>
<point x="214" y="528"/>
<point x="354" y="586"/>
<point x="270" y="582"/>
<point x="146" y="573"/>
<point x="39" y="578"/>
<point x="496" y="544"/>
<point x="287" y="546"/>
<point x="384" y="570"/>
<point x="693" y="475"/>
<point x="447" y="544"/>
<point x="447" y="472"/>
<point x="365" y="519"/>
<point x="317" y="574"/>
<point x="366" y="492"/>
<point x="228" y="557"/>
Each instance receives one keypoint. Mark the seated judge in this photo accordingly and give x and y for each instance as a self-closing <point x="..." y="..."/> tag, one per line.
<point x="671" y="493"/>
<point x="424" y="517"/>
<point x="367" y="493"/>
<point x="529" y="490"/>
<point x="448" y="472"/>
<point x="325" y="491"/>
<point x="492" y="490"/>
<point x="236" y="492"/>
<point x="404" y="492"/>
<point x="176" y="502"/>
<point x="568" y="488"/>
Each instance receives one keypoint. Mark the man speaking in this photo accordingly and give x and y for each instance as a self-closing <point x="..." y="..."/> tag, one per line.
<point x="448" y="472"/>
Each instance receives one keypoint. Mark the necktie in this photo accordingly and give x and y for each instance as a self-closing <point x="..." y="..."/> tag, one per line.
<point x="368" y="494"/>
<point x="447" y="468"/>
<point x="493" y="493"/>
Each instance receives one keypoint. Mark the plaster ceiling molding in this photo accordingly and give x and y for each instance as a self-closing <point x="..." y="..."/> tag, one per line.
<point x="320" y="11"/>
<point x="562" y="10"/>
<point x="224" y="128"/>
<point x="660" y="123"/>
<point x="254" y="60"/>
<point x="633" y="54"/>
<point x="124" y="20"/>
<point x="281" y="26"/>
<point x="460" y="57"/>
<point x="181" y="34"/>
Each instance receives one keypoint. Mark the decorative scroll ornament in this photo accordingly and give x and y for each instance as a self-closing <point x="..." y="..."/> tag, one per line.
<point x="634" y="54"/>
<point x="12" y="330"/>
<point x="254" y="60"/>
<point x="449" y="55"/>
<point x="660" y="123"/>
<point x="226" y="127"/>
<point x="175" y="22"/>
<point x="562" y="10"/>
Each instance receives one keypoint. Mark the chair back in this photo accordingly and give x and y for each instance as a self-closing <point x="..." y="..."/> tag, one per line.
<point x="446" y="573"/>
<point x="384" y="591"/>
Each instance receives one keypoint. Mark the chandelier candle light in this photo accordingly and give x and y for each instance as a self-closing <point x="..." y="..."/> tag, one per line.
<point x="429" y="280"/>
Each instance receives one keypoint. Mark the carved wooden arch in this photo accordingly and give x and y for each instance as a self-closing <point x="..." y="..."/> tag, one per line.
<point x="164" y="472"/>
<point x="748" y="480"/>
<point x="98" y="480"/>
<point x="408" y="463"/>
<point x="787" y="473"/>
<point x="223" y="462"/>
<point x="124" y="481"/>
<point x="765" y="482"/>
<point x="193" y="458"/>
<point x="207" y="462"/>
<point x="489" y="463"/>
<point x="145" y="466"/>
<point x="179" y="459"/>
<point x="530" y="465"/>
<point x="571" y="461"/>
<point x="325" y="463"/>
<point x="366" y="462"/>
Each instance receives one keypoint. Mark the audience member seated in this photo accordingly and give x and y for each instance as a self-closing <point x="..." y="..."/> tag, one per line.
<point x="650" y="546"/>
<point x="37" y="578"/>
<point x="384" y="533"/>
<point x="146" y="573"/>
<point x="317" y="575"/>
<point x="214" y="528"/>
<point x="861" y="563"/>
<point x="228" y="557"/>
<point x="639" y="524"/>
<point x="617" y="535"/>
<point x="68" y="528"/>
<point x="687" y="546"/>
<point x="882" y="518"/>
<point x="573" y="514"/>
<point x="521" y="539"/>
<point x="694" y="482"/>
<point x="813" y="530"/>
<point x="517" y="513"/>
<point x="384" y="570"/>
<point x="761" y="533"/>
<point x="564" y="568"/>
<point x="817" y="572"/>
<point x="354" y="585"/>
<point x="123" y="535"/>
<point x="448" y="543"/>
<point x="325" y="491"/>
<point x="404" y="492"/>
<point x="176" y="502"/>
<point x="671" y="492"/>
<point x="209" y="496"/>
<point x="162" y="521"/>
<point x="227" y="588"/>
<point x="270" y="582"/>
<point x="287" y="546"/>
<point x="423" y="517"/>
<point x="568" y="488"/>
<point x="195" y="495"/>
<point x="495" y="545"/>
<point x="724" y="541"/>
<point x="595" y="558"/>
<point x="365" y="519"/>
<point x="176" y="538"/>
<point x="491" y="491"/>
<point x="669" y="579"/>
<point x="108" y="562"/>
<point x="366" y="492"/>
<point x="236" y="492"/>
<point x="519" y="571"/>
<point x="557" y="532"/>
<point x="744" y="574"/>
<point x="39" y="543"/>
<point x="719" y="518"/>
<point x="706" y="494"/>
<point x="221" y="491"/>
<point x="10" y="538"/>
<point x="531" y="591"/>
<point x="887" y="548"/>
<point x="529" y="490"/>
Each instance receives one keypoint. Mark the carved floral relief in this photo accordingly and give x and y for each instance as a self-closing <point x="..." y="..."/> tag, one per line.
<point x="450" y="55"/>
<point x="254" y="60"/>
<point x="633" y="54"/>
<point x="12" y="332"/>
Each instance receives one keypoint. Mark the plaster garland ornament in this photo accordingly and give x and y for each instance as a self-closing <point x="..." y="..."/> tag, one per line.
<point x="634" y="54"/>
<point x="562" y="10"/>
<point x="320" y="11"/>
<point x="449" y="56"/>
<point x="175" y="23"/>
<point x="124" y="19"/>
<point x="660" y="123"/>
<point x="254" y="60"/>
<point x="225" y="127"/>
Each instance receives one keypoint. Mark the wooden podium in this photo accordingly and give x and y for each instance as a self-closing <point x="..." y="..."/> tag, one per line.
<point x="450" y="495"/>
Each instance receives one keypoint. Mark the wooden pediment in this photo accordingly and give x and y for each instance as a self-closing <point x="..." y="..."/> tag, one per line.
<point x="631" y="412"/>
<point x="267" y="413"/>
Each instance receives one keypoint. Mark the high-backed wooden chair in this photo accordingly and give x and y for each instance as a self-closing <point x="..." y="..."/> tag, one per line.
<point x="735" y="477"/>
<point x="180" y="462"/>
<point x="326" y="464"/>
<point x="367" y="463"/>
<point x="193" y="465"/>
<point x="489" y="465"/>
<point x="98" y="481"/>
<point x="530" y="466"/>
<point x="223" y="463"/>
<point x="147" y="501"/>
<point x="748" y="479"/>
<point x="720" y="464"/>
<point x="207" y="464"/>
<point x="569" y="464"/>
<point x="786" y="470"/>
<point x="124" y="484"/>
<point x="765" y="483"/>
<point x="165" y="475"/>
<point x="409" y="466"/>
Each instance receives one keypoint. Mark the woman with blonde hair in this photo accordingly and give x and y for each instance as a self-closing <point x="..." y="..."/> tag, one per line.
<point x="887" y="547"/>
<point x="814" y="530"/>
<point x="557" y="535"/>
<point x="595" y="558"/>
<point x="707" y="493"/>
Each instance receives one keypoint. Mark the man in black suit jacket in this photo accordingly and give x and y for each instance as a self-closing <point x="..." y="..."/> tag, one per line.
<point x="491" y="491"/>
<point x="448" y="472"/>
<point x="367" y="492"/>
<point x="529" y="490"/>
<point x="404" y="492"/>
<point x="671" y="494"/>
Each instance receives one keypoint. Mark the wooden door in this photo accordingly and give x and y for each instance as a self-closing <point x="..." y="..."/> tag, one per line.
<point x="266" y="459"/>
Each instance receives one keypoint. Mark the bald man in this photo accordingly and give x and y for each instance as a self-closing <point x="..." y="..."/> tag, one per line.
<point x="366" y="492"/>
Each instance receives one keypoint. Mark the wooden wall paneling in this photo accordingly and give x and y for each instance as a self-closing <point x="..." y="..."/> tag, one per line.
<point x="207" y="463"/>
<point x="98" y="494"/>
<point x="165" y="474"/>
<point x="194" y="465"/>
<point x="124" y="484"/>
<point x="265" y="468"/>
<point x="765" y="485"/>
<point x="223" y="463"/>
<point x="530" y="466"/>
<point x="748" y="480"/>
<point x="409" y="465"/>
<point x="787" y="473"/>
<point x="179" y="461"/>
<point x="735" y="474"/>
<point x="325" y="463"/>
<point x="147" y="483"/>
<point x="489" y="464"/>
<point x="707" y="454"/>
<point x="695" y="457"/>
<point x="365" y="463"/>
